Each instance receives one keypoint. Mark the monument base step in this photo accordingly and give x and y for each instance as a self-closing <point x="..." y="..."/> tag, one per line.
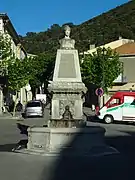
<point x="67" y="142"/>
<point x="64" y="139"/>
<point x="93" y="152"/>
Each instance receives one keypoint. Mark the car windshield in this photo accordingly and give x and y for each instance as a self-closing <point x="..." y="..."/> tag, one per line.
<point x="34" y="104"/>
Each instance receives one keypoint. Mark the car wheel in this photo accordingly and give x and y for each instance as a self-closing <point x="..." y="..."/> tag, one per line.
<point x="108" y="119"/>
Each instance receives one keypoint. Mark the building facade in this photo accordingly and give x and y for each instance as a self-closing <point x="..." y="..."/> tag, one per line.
<point x="125" y="82"/>
<point x="126" y="50"/>
<point x="112" y="45"/>
<point x="6" y="27"/>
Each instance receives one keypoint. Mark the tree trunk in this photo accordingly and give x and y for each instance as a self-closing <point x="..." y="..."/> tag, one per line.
<point x="36" y="92"/>
<point x="99" y="101"/>
<point x="15" y="104"/>
<point x="1" y="100"/>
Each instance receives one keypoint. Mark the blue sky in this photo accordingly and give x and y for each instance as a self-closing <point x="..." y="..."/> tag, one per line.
<point x="38" y="15"/>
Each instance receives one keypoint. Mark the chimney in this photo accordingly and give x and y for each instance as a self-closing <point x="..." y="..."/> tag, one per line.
<point x="92" y="46"/>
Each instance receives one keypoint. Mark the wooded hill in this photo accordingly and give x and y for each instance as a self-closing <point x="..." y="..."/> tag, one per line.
<point x="99" y="30"/>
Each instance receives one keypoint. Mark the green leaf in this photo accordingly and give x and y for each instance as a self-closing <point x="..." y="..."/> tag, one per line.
<point x="101" y="68"/>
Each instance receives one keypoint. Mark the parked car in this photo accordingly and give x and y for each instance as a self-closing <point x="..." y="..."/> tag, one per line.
<point x="34" y="108"/>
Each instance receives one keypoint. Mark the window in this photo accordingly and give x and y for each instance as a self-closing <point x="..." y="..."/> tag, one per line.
<point x="115" y="101"/>
<point x="128" y="99"/>
<point x="34" y="104"/>
<point x="133" y="103"/>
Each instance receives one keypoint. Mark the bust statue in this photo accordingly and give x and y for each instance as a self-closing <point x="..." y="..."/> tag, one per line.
<point x="67" y="114"/>
<point x="67" y="42"/>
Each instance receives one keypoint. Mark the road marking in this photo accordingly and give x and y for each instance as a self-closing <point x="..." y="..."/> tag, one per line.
<point x="115" y="151"/>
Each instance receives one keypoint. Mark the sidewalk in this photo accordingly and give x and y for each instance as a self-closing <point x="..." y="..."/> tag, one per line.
<point x="9" y="116"/>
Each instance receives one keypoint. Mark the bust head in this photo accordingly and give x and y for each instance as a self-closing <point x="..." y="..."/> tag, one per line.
<point x="67" y="30"/>
<point x="67" y="42"/>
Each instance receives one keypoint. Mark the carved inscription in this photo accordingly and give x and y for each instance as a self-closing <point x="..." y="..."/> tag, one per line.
<point x="67" y="66"/>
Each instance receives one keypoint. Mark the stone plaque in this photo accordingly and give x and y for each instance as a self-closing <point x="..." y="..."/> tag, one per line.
<point x="67" y="66"/>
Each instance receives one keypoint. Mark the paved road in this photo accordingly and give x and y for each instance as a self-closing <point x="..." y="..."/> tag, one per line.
<point x="23" y="167"/>
<point x="120" y="136"/>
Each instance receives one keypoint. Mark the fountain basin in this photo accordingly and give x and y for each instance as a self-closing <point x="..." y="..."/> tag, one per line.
<point x="73" y="140"/>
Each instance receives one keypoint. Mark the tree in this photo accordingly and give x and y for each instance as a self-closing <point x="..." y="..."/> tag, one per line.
<point x="20" y="72"/>
<point x="6" y="56"/>
<point x="101" y="68"/>
<point x="36" y="70"/>
<point x="30" y="34"/>
<point x="6" y="53"/>
<point x="44" y="63"/>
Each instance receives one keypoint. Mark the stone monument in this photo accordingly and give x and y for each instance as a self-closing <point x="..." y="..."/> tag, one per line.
<point x="67" y="86"/>
<point x="65" y="131"/>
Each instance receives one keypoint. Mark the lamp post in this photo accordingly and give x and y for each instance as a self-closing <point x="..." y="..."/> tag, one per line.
<point x="103" y="75"/>
<point x="103" y="67"/>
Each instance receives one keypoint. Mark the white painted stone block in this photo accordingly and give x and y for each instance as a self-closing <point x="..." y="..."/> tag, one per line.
<point x="67" y="67"/>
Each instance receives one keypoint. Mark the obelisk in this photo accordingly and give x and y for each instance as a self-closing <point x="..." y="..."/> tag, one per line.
<point x="67" y="86"/>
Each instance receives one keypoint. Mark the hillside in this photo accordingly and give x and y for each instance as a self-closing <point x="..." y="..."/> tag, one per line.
<point x="99" y="30"/>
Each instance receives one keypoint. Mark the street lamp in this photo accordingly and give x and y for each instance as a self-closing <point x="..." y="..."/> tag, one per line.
<point x="103" y="67"/>
<point x="104" y="53"/>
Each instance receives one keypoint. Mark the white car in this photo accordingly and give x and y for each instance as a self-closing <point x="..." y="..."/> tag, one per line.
<point x="34" y="108"/>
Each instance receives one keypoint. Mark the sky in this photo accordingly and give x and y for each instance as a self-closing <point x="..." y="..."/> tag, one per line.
<point x="38" y="15"/>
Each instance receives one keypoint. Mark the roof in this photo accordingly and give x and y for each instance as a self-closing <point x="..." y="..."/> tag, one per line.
<point x="7" y="22"/>
<point x="126" y="49"/>
<point x="9" y="26"/>
<point x="112" y="45"/>
<point x="126" y="87"/>
<point x="124" y="93"/>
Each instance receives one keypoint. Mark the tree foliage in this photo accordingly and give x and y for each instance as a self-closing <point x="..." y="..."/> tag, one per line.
<point x="36" y="70"/>
<point x="101" y="68"/>
<point x="44" y="64"/>
<point x="6" y="54"/>
<point x="19" y="73"/>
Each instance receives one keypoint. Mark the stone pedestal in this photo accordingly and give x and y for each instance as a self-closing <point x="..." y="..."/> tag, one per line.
<point x="67" y="87"/>
<point x="67" y="93"/>
<point x="71" y="140"/>
<point x="67" y="66"/>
